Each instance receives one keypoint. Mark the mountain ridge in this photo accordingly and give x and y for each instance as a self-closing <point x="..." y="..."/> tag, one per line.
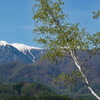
<point x="29" y="53"/>
<point x="40" y="72"/>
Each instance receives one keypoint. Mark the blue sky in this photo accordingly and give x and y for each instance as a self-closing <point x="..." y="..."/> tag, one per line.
<point x="16" y="23"/>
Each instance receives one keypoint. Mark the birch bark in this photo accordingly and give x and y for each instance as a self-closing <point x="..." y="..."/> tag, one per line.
<point x="83" y="75"/>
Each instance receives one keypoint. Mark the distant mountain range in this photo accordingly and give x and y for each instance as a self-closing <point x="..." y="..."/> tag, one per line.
<point x="18" y="52"/>
<point x="21" y="63"/>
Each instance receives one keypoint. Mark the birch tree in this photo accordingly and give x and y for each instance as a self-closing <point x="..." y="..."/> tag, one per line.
<point x="61" y="38"/>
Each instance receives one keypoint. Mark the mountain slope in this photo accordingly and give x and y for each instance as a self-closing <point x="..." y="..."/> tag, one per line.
<point x="44" y="73"/>
<point x="19" y="52"/>
<point x="28" y="91"/>
<point x="9" y="53"/>
<point x="20" y="72"/>
<point x="31" y="52"/>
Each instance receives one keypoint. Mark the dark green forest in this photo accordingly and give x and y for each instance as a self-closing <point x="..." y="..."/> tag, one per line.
<point x="12" y="74"/>
<point x="33" y="91"/>
<point x="28" y="91"/>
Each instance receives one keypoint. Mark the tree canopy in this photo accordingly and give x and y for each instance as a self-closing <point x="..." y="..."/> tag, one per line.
<point x="61" y="37"/>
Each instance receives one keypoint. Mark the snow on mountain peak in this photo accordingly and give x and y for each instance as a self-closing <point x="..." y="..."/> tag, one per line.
<point x="3" y="43"/>
<point x="23" y="47"/>
<point x="20" y="47"/>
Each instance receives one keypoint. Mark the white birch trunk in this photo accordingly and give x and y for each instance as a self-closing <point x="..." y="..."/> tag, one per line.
<point x="76" y="61"/>
<point x="83" y="75"/>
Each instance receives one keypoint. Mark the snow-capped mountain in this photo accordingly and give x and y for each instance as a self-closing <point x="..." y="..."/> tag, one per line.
<point x="23" y="48"/>
<point x="18" y="52"/>
<point x="3" y="43"/>
<point x="27" y="50"/>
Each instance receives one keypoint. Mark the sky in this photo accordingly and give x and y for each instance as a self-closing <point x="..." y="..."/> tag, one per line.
<point x="16" y="23"/>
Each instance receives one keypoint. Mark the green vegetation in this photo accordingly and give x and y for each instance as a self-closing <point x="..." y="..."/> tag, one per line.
<point x="53" y="97"/>
<point x="96" y="14"/>
<point x="42" y="73"/>
<point x="34" y="91"/>
<point x="61" y="38"/>
<point x="28" y="91"/>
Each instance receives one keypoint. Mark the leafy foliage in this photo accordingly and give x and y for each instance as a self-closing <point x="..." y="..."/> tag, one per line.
<point x="60" y="37"/>
<point x="96" y="14"/>
<point x="57" y="35"/>
<point x="70" y="79"/>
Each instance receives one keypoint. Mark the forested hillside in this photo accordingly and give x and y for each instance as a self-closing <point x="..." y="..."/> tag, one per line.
<point x="28" y="91"/>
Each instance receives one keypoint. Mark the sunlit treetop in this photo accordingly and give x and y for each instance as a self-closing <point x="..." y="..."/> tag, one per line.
<point x="56" y="33"/>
